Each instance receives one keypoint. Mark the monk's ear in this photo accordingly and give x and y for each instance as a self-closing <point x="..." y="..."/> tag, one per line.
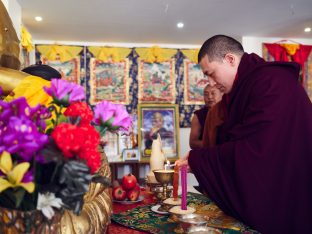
<point x="231" y="59"/>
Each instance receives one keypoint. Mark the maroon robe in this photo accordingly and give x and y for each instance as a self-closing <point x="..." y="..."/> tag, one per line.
<point x="201" y="116"/>
<point x="261" y="173"/>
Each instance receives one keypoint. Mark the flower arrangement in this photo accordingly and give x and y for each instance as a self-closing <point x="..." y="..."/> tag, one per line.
<point x="49" y="155"/>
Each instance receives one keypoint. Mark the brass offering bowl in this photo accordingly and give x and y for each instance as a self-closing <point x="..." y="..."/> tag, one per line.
<point x="164" y="177"/>
<point x="159" y="193"/>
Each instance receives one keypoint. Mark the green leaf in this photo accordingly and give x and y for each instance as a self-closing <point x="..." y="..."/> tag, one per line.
<point x="19" y="195"/>
<point x="62" y="119"/>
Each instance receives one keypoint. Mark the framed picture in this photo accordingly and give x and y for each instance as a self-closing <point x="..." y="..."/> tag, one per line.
<point x="109" y="81"/>
<point x="156" y="82"/>
<point x="131" y="155"/>
<point x="194" y="84"/>
<point x="162" y="119"/>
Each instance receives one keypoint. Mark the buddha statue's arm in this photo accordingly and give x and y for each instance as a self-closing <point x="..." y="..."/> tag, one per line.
<point x="9" y="79"/>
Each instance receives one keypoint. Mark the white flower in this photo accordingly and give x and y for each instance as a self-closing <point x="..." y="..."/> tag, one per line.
<point x="46" y="202"/>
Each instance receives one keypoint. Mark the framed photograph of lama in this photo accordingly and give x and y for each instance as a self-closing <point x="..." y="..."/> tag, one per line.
<point x="162" y="119"/>
<point x="194" y="84"/>
<point x="70" y="70"/>
<point x="156" y="82"/>
<point x="109" y="81"/>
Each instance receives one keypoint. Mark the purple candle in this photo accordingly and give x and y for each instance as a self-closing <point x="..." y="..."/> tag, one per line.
<point x="184" y="188"/>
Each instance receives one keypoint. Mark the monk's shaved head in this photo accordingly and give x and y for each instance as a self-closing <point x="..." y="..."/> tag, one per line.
<point x="218" y="46"/>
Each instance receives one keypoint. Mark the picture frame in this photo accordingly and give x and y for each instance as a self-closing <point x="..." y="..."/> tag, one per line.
<point x="162" y="119"/>
<point x="131" y="155"/>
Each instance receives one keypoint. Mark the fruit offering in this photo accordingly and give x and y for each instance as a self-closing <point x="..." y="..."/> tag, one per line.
<point x="129" y="189"/>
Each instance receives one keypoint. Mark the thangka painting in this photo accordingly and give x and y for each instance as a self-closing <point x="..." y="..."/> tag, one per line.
<point x="70" y="70"/>
<point x="194" y="84"/>
<point x="109" y="81"/>
<point x="156" y="82"/>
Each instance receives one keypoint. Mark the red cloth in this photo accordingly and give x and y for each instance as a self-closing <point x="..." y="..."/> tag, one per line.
<point x="280" y="54"/>
<point x="261" y="172"/>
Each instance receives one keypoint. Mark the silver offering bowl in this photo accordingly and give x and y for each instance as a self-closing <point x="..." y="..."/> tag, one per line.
<point x="203" y="230"/>
<point x="188" y="221"/>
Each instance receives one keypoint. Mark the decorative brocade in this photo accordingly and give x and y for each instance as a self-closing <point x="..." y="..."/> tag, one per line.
<point x="109" y="54"/>
<point x="62" y="52"/>
<point x="155" y="54"/>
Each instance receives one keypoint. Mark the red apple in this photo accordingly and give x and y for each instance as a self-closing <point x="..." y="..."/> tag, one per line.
<point x="129" y="182"/>
<point x="134" y="193"/>
<point x="119" y="193"/>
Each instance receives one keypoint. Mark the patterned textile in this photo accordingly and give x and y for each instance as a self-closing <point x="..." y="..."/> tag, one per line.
<point x="143" y="219"/>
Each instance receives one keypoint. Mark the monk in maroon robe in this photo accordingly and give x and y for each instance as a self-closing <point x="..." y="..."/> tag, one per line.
<point x="261" y="173"/>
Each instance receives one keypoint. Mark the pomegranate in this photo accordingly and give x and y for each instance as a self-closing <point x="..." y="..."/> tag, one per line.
<point x="128" y="181"/>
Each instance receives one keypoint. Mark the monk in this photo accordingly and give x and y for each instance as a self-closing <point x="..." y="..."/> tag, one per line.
<point x="212" y="95"/>
<point x="260" y="173"/>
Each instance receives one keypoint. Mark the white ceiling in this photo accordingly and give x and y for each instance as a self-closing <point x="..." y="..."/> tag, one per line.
<point x="154" y="21"/>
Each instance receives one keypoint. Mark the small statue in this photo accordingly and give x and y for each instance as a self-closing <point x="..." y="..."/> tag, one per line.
<point x="157" y="159"/>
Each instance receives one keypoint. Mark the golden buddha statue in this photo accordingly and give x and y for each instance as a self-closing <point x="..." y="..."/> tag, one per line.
<point x="97" y="208"/>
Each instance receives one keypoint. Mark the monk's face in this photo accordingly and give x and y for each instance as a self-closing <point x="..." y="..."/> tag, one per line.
<point x="212" y="95"/>
<point x="221" y="72"/>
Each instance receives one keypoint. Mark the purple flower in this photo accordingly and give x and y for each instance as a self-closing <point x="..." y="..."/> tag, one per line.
<point x="64" y="92"/>
<point x="17" y="107"/>
<point x="39" y="114"/>
<point x="121" y="118"/>
<point x="22" y="137"/>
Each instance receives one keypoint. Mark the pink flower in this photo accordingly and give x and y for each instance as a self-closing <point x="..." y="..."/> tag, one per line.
<point x="103" y="112"/>
<point x="111" y="117"/>
<point x="121" y="118"/>
<point x="64" y="92"/>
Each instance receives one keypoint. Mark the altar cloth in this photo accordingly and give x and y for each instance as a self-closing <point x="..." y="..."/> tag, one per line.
<point x="143" y="219"/>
